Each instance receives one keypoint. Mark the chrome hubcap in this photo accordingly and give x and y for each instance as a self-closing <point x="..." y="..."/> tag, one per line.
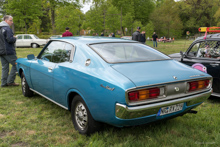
<point x="23" y="84"/>
<point x="81" y="115"/>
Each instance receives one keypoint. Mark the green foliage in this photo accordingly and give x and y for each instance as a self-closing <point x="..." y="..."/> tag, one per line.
<point x="198" y="13"/>
<point x="112" y="19"/>
<point x="149" y="29"/>
<point x="166" y="20"/>
<point x="24" y="11"/>
<point x="217" y="17"/>
<point x="68" y="16"/>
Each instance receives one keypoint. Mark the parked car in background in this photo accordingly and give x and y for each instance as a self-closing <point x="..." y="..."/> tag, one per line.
<point x="204" y="54"/>
<point x="127" y="37"/>
<point x="115" y="81"/>
<point x="29" y="40"/>
<point x="55" y="36"/>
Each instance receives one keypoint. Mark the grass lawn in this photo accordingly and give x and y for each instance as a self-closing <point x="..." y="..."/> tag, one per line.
<point x="38" y="122"/>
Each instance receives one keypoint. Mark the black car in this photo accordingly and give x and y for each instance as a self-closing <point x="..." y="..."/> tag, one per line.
<point x="206" y="54"/>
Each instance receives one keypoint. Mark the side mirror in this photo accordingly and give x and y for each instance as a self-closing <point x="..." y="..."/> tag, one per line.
<point x="182" y="55"/>
<point x="30" y="57"/>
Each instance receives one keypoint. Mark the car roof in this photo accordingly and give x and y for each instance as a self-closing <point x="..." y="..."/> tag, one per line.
<point x="211" y="36"/>
<point x="91" y="39"/>
<point x="24" y="34"/>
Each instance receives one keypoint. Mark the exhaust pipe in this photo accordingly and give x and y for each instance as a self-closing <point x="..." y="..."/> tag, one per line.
<point x="192" y="111"/>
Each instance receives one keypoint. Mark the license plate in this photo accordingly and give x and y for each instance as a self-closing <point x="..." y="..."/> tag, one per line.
<point x="170" y="109"/>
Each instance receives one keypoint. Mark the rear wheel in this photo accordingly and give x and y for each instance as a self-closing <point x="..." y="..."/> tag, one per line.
<point x="34" y="45"/>
<point x="25" y="87"/>
<point x="81" y="117"/>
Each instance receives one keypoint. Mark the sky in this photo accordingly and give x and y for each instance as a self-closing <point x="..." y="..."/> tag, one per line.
<point x="86" y="7"/>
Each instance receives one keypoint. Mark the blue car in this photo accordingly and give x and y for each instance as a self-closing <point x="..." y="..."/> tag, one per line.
<point x="114" y="81"/>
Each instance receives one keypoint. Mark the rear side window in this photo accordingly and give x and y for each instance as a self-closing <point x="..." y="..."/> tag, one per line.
<point x="127" y="52"/>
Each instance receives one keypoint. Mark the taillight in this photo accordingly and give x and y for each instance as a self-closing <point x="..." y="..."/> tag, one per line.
<point x="145" y="94"/>
<point x="198" y="85"/>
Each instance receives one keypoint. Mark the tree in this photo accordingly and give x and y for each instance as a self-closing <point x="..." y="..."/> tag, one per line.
<point x="166" y="19"/>
<point x="198" y="13"/>
<point x="71" y="18"/>
<point x="113" y="19"/>
<point x="53" y="4"/>
<point x="217" y="17"/>
<point x="24" y="11"/>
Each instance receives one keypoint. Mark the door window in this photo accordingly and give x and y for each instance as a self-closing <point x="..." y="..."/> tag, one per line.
<point x="57" y="52"/>
<point x="19" y="37"/>
<point x="206" y="49"/>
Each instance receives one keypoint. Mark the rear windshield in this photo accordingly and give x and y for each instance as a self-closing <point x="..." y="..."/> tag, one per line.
<point x="127" y="52"/>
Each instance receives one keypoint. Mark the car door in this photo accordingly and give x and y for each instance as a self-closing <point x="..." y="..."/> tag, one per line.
<point x="42" y="69"/>
<point x="206" y="53"/>
<point x="27" y="40"/>
<point x="19" y="41"/>
<point x="63" y="73"/>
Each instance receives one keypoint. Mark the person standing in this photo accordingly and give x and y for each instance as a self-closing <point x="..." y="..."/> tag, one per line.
<point x="7" y="52"/>
<point x="113" y="34"/>
<point x="143" y="37"/>
<point x="136" y="35"/>
<point x="154" y="36"/>
<point x="102" y="34"/>
<point x="67" y="33"/>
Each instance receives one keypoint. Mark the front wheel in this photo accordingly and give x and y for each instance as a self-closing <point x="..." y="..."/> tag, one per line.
<point x="81" y="117"/>
<point x="25" y="87"/>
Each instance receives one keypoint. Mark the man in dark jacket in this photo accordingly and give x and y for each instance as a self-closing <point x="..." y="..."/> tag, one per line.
<point x="136" y="35"/>
<point x="7" y="52"/>
<point x="154" y="36"/>
<point x="143" y="38"/>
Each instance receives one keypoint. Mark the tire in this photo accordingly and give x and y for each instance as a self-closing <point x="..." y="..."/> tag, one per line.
<point x="34" y="45"/>
<point x="82" y="119"/>
<point x="25" y="87"/>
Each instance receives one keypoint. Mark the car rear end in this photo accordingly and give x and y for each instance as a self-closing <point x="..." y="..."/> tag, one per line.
<point x="163" y="87"/>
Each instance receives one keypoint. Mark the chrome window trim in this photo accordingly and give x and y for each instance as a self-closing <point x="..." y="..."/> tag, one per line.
<point x="165" y="97"/>
<point x="89" y="45"/>
<point x="72" y="53"/>
<point x="48" y="98"/>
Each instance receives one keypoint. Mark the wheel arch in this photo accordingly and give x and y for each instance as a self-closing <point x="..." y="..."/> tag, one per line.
<point x="70" y="96"/>
<point x="35" y="43"/>
<point x="20" y="71"/>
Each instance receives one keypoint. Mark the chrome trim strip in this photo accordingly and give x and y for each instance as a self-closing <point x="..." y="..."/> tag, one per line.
<point x="186" y="80"/>
<point x="215" y="94"/>
<point x="72" y="54"/>
<point x="165" y="85"/>
<point x="48" y="99"/>
<point x="125" y="112"/>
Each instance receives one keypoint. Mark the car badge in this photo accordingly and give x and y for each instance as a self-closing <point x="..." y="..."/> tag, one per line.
<point x="107" y="87"/>
<point x="177" y="89"/>
<point x="175" y="77"/>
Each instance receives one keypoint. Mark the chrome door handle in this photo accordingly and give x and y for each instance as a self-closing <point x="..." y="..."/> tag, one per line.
<point x="50" y="69"/>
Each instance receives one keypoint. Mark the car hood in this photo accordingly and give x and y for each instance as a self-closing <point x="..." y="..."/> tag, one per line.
<point x="156" y="72"/>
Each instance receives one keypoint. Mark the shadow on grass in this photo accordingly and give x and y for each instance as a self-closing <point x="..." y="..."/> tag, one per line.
<point x="214" y="99"/>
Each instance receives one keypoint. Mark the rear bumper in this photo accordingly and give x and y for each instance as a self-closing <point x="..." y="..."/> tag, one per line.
<point x="126" y="112"/>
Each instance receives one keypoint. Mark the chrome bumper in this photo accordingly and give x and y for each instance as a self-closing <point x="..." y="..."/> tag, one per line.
<point x="125" y="112"/>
